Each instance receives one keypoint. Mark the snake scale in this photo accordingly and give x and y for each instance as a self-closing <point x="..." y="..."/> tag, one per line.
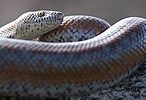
<point x="86" y="54"/>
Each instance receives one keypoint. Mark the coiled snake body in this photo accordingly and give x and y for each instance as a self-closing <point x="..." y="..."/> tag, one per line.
<point x="73" y="67"/>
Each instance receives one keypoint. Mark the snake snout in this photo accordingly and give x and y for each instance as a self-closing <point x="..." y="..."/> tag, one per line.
<point x="60" y="16"/>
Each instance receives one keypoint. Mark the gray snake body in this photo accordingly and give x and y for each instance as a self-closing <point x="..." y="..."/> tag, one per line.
<point x="55" y="69"/>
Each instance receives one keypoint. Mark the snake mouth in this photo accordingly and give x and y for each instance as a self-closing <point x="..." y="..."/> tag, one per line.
<point x="60" y="20"/>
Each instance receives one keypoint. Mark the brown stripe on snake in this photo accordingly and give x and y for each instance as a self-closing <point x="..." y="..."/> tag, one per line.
<point x="82" y="76"/>
<point x="81" y="67"/>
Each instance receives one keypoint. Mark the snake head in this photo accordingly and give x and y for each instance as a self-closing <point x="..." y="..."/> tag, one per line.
<point x="36" y="23"/>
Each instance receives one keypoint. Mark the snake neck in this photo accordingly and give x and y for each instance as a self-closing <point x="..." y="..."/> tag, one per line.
<point x="9" y="30"/>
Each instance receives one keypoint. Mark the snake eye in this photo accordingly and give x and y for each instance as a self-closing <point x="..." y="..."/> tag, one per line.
<point x="41" y="13"/>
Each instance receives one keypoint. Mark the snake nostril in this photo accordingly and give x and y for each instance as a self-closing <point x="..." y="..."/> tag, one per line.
<point x="60" y="14"/>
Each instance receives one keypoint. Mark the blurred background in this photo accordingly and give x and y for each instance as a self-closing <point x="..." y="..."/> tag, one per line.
<point x="110" y="10"/>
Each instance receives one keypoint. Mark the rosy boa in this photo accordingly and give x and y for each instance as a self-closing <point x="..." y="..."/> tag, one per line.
<point x="93" y="56"/>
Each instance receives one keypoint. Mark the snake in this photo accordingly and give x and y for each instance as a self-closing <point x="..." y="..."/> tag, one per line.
<point x="44" y="53"/>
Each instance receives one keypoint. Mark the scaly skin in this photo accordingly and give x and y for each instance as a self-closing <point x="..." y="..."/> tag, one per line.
<point x="56" y="69"/>
<point x="31" y="25"/>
